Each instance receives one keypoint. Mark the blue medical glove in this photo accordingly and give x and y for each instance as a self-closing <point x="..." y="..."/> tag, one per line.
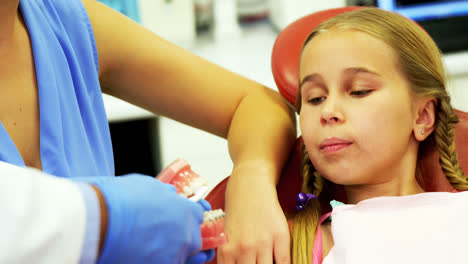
<point x="206" y="255"/>
<point x="202" y="257"/>
<point x="149" y="222"/>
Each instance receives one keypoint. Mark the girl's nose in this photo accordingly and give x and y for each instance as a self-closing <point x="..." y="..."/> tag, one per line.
<point x="331" y="113"/>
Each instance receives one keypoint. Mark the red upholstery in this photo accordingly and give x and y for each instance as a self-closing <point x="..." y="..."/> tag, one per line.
<point x="287" y="49"/>
<point x="285" y="66"/>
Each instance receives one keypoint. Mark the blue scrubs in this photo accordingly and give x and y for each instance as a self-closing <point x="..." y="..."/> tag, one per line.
<point x="74" y="131"/>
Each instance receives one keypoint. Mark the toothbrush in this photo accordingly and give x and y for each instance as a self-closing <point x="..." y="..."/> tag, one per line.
<point x="189" y="184"/>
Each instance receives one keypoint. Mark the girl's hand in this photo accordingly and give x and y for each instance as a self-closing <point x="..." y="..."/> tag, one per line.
<point x="256" y="227"/>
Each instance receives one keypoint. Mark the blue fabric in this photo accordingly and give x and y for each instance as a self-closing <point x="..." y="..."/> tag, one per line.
<point x="334" y="204"/>
<point x="126" y="7"/>
<point x="74" y="132"/>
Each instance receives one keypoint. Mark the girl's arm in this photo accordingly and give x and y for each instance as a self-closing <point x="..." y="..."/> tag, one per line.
<point x="139" y="67"/>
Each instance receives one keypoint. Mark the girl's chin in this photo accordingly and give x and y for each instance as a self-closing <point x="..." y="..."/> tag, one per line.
<point x="341" y="179"/>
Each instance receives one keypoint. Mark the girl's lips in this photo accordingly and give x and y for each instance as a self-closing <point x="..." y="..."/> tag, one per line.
<point x="331" y="145"/>
<point x="334" y="147"/>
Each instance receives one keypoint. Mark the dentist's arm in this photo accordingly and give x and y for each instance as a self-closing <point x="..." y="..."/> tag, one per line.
<point x="139" y="67"/>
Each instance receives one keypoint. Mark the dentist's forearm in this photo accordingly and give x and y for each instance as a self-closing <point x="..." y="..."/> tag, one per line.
<point x="271" y="133"/>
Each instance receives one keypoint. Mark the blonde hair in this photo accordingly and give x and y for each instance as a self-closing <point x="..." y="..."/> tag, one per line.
<point x="420" y="61"/>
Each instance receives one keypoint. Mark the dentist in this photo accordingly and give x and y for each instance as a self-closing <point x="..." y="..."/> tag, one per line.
<point x="56" y="59"/>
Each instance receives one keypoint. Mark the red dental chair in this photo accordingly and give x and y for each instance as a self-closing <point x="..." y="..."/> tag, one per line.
<point x="285" y="67"/>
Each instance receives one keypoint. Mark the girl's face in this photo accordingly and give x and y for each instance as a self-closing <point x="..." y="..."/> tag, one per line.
<point x="357" y="115"/>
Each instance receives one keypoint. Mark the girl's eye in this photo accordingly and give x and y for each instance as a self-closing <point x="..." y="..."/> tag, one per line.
<point x="316" y="100"/>
<point x="360" y="93"/>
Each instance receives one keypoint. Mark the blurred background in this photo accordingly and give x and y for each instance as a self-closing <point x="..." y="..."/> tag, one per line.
<point x="239" y="36"/>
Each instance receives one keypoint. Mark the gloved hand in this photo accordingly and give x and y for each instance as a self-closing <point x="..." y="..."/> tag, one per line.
<point x="206" y="255"/>
<point x="149" y="222"/>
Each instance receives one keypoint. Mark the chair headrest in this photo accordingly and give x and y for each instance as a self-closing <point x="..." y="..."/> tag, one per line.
<point x="287" y="49"/>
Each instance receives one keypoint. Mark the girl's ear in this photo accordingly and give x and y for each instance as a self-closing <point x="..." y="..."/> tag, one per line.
<point x="425" y="119"/>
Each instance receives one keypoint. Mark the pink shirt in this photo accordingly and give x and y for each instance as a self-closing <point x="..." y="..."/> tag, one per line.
<point x="318" y="244"/>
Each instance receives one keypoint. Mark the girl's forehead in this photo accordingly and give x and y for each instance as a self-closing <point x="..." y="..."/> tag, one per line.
<point x="344" y="48"/>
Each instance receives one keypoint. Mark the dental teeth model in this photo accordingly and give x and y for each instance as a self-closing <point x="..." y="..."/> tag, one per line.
<point x="189" y="184"/>
<point x="212" y="229"/>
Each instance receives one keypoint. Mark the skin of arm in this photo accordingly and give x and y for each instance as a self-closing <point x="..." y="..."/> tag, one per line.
<point x="141" y="68"/>
<point x="104" y="218"/>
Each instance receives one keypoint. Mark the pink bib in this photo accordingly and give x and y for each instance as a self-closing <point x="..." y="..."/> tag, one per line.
<point x="427" y="228"/>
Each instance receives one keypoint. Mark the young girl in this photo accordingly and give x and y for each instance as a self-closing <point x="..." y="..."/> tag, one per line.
<point x="371" y="95"/>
